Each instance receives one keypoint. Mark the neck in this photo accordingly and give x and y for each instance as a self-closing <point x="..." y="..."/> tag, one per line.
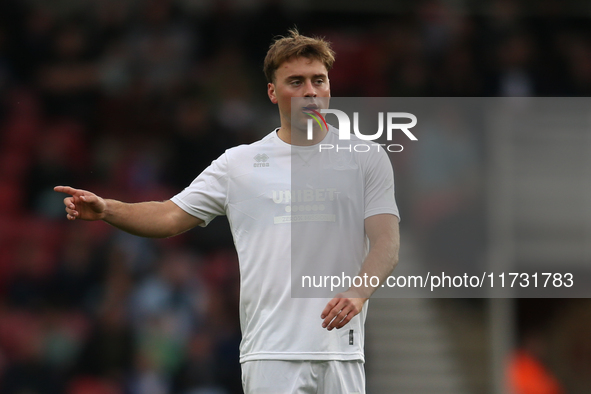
<point x="298" y="137"/>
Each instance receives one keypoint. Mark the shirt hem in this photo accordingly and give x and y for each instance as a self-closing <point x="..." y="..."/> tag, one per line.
<point x="181" y="204"/>
<point x="303" y="356"/>
<point x="378" y="211"/>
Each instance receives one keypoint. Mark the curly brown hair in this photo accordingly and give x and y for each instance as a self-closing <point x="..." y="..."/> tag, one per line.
<point x="293" y="46"/>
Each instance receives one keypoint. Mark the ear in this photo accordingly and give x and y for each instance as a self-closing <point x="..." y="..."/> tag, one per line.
<point x="271" y="93"/>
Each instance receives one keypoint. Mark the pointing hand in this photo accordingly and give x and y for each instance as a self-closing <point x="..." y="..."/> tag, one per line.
<point x="82" y="204"/>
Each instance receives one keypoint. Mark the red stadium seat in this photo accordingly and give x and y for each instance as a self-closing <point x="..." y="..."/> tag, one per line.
<point x="11" y="195"/>
<point x="91" y="385"/>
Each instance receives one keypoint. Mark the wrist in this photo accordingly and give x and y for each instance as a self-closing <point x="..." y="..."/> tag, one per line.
<point x="107" y="212"/>
<point x="360" y="293"/>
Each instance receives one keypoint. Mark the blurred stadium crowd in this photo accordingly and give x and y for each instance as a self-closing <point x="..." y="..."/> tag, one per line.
<point x="132" y="99"/>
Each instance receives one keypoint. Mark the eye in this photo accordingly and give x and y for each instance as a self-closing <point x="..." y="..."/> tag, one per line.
<point x="295" y="82"/>
<point x="319" y="81"/>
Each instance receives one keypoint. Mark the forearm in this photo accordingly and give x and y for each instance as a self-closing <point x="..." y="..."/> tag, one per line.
<point x="380" y="262"/>
<point x="383" y="233"/>
<point x="146" y="219"/>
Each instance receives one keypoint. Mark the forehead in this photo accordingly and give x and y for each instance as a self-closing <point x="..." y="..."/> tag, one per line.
<point x="301" y="66"/>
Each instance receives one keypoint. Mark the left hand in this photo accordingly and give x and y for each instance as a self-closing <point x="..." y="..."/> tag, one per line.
<point x="341" y="309"/>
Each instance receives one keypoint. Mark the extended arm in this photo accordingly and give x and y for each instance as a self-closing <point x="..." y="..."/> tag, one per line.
<point x="146" y="219"/>
<point x="384" y="240"/>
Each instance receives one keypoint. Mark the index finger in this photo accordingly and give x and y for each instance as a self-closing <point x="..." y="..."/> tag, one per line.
<point x="65" y="189"/>
<point x="332" y="318"/>
<point x="331" y="304"/>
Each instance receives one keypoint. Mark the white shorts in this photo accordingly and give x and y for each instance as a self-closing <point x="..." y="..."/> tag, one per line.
<point x="303" y="377"/>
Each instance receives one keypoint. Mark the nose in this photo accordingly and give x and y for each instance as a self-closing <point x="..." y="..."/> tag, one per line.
<point x="310" y="90"/>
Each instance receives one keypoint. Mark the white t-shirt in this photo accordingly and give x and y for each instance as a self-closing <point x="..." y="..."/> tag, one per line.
<point x="287" y="203"/>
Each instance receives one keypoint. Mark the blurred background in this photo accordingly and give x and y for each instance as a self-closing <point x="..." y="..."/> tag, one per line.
<point x="132" y="99"/>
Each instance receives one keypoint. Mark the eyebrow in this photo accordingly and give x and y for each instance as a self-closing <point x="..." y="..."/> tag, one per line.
<point x="292" y="77"/>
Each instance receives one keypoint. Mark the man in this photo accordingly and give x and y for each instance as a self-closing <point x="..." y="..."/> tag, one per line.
<point x="289" y="344"/>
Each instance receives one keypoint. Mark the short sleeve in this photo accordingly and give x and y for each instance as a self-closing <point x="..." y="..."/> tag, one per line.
<point x="379" y="186"/>
<point x="207" y="195"/>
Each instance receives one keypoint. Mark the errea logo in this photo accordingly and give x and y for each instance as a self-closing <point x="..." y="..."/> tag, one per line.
<point x="261" y="160"/>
